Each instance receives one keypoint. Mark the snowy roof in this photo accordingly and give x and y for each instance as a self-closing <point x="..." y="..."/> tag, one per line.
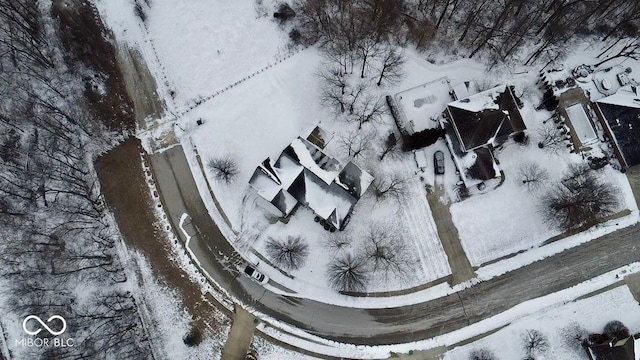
<point x="422" y="105"/>
<point x="622" y="118"/>
<point x="312" y="158"/>
<point x="581" y="123"/>
<point x="461" y="91"/>
<point x="264" y="185"/>
<point x="304" y="174"/>
<point x="269" y="186"/>
<point x="481" y="118"/>
<point x="319" y="137"/>
<point x="628" y="96"/>
<point x="613" y="350"/>
<point x="354" y="180"/>
<point x="322" y="198"/>
<point x="287" y="169"/>
<point x="475" y="166"/>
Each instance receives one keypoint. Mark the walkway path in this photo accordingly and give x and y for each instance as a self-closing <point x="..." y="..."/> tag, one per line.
<point x="461" y="269"/>
<point x="633" y="282"/>
<point x="239" y="340"/>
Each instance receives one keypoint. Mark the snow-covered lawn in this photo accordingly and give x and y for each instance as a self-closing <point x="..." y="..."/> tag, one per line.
<point x="509" y="219"/>
<point x="206" y="45"/>
<point x="258" y="119"/>
<point x="592" y="314"/>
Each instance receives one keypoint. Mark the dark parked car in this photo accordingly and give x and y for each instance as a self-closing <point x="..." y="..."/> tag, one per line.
<point x="438" y="162"/>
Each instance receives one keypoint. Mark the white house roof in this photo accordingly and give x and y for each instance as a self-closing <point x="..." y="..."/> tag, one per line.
<point x="581" y="123"/>
<point x="304" y="174"/>
<point x="312" y="158"/>
<point x="628" y="96"/>
<point x="481" y="101"/>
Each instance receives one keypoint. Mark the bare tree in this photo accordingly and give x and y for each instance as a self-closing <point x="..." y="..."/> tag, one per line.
<point x="354" y="96"/>
<point x="224" y="169"/>
<point x="387" y="252"/>
<point x="334" y="84"/>
<point x="580" y="199"/>
<point x="552" y="136"/>
<point x="355" y="143"/>
<point x="574" y="335"/>
<point x="333" y="75"/>
<point x="616" y="330"/>
<point x="334" y="97"/>
<point x="367" y="49"/>
<point x="348" y="273"/>
<point x="630" y="49"/>
<point x="368" y="110"/>
<point x="113" y="326"/>
<point x="534" y="343"/>
<point x="60" y="241"/>
<point x="482" y="354"/>
<point x="390" y="146"/>
<point x="290" y="253"/>
<point x="338" y="242"/>
<point x="390" y="68"/>
<point x="533" y="177"/>
<point x="390" y="186"/>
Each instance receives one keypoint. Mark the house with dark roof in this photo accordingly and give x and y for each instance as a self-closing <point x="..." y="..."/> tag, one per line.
<point x="476" y="125"/>
<point x="615" y="349"/>
<point x="619" y="115"/>
<point x="304" y="174"/>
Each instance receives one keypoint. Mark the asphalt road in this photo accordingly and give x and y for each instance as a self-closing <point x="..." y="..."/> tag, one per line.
<point x="392" y="325"/>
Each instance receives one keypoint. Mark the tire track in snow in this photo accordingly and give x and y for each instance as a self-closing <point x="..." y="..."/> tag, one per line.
<point x="420" y="225"/>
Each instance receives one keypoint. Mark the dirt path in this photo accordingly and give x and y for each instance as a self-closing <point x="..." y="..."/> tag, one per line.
<point x="140" y="85"/>
<point x="126" y="192"/>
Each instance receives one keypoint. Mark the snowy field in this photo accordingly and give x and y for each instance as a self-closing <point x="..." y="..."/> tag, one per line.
<point x="592" y="314"/>
<point x="203" y="49"/>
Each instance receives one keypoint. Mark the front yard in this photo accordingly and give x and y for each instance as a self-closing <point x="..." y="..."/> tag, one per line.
<point x="258" y="119"/>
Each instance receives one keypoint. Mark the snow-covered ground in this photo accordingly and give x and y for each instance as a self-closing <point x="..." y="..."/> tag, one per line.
<point x="206" y="45"/>
<point x="172" y="322"/>
<point x="193" y="55"/>
<point x="284" y="103"/>
<point x="508" y="219"/>
<point x="592" y="314"/>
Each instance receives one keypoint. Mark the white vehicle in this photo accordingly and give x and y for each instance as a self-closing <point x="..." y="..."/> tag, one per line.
<point x="254" y="274"/>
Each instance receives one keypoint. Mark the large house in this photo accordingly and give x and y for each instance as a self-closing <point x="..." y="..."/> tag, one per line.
<point x="616" y="349"/>
<point x="475" y="125"/>
<point x="304" y="174"/>
<point x="619" y="115"/>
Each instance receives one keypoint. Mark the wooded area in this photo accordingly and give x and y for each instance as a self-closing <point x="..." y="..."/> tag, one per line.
<point x="60" y="247"/>
<point x="505" y="30"/>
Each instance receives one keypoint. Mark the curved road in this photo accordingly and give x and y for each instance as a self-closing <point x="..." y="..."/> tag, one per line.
<point x="392" y="325"/>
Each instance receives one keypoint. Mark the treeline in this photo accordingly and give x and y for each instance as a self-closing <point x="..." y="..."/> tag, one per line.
<point x="527" y="30"/>
<point x="59" y="247"/>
